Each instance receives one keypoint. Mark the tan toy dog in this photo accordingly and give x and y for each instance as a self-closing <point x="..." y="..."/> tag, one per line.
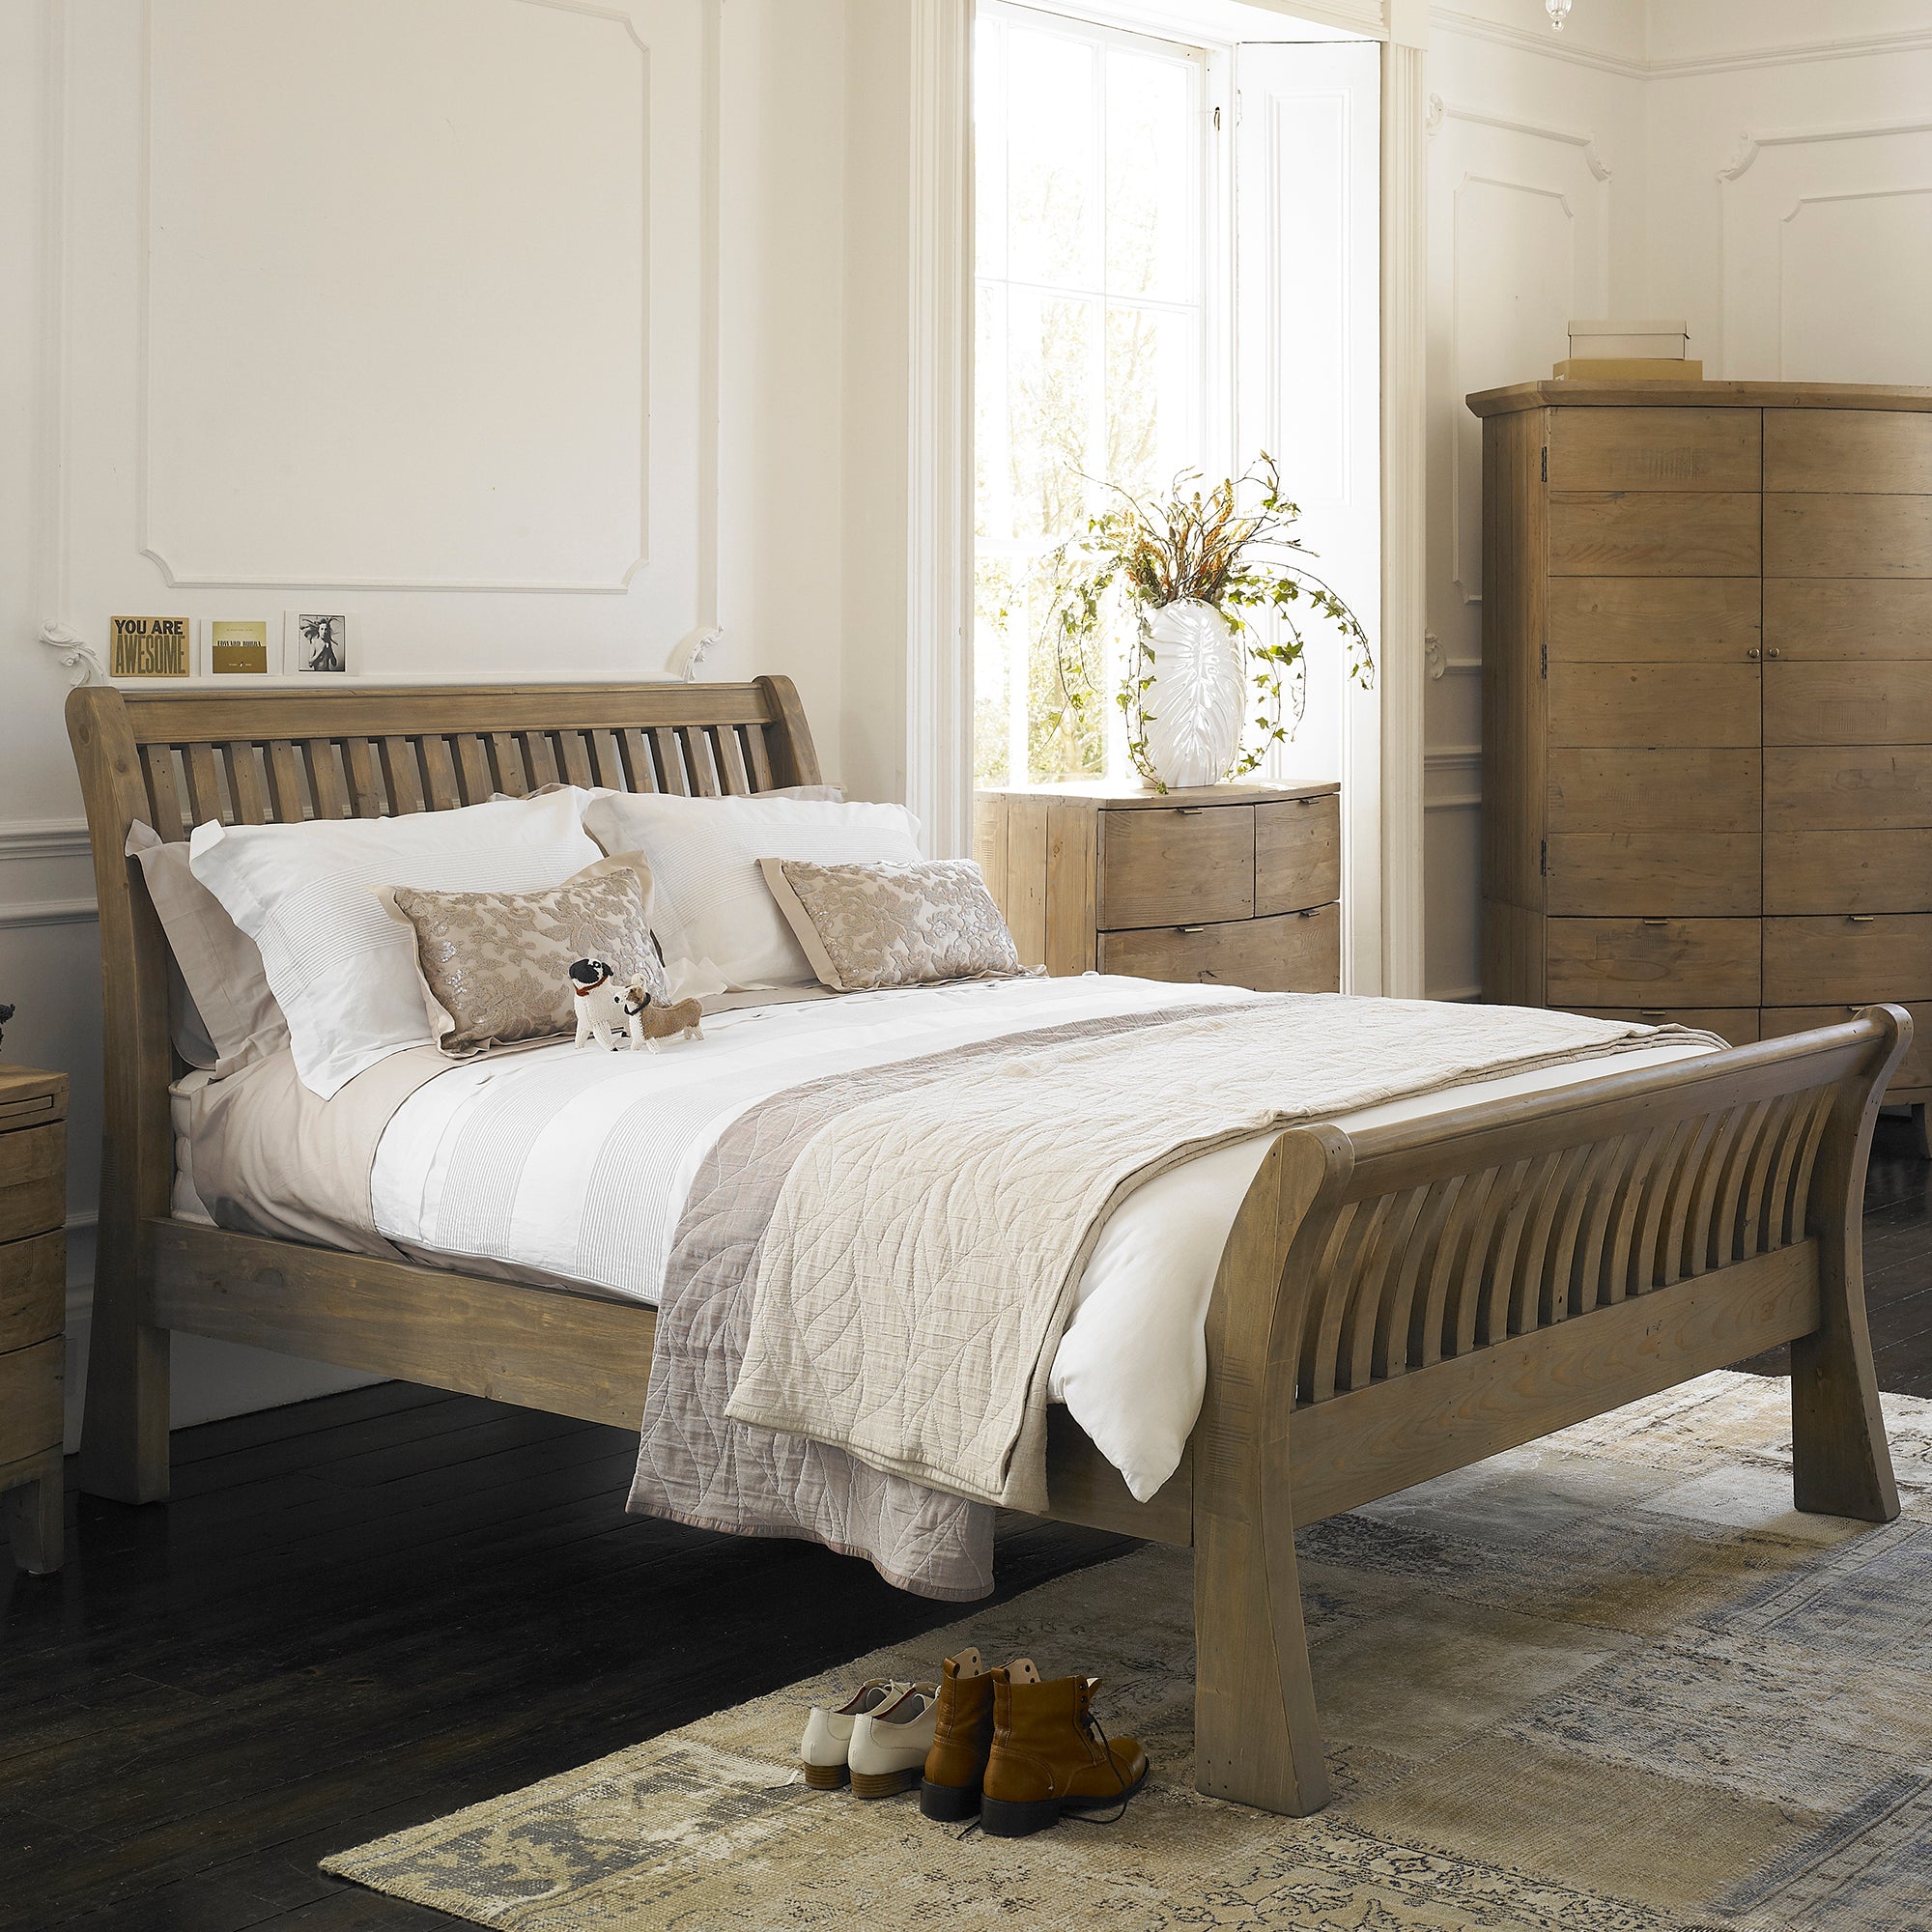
<point x="650" y="1021"/>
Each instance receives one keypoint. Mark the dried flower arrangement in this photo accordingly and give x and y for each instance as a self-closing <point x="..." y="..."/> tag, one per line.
<point x="1201" y="547"/>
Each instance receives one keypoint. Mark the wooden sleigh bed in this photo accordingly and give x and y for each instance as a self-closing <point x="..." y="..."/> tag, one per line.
<point x="1390" y="1305"/>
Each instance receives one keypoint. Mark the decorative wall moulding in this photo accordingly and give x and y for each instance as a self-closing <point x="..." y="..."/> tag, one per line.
<point x="44" y="838"/>
<point x="1847" y="46"/>
<point x="1751" y="146"/>
<point x="76" y="654"/>
<point x="1569" y="137"/>
<point x="27" y="913"/>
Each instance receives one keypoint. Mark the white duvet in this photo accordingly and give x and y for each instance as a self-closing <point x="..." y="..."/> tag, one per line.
<point x="1133" y="1363"/>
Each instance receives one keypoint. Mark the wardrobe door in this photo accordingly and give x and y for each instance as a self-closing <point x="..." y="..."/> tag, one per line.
<point x="1848" y="711"/>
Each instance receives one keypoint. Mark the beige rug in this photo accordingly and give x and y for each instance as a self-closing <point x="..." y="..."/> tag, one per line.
<point x="1611" y="1683"/>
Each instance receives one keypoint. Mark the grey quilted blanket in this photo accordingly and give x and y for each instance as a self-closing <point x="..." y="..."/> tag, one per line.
<point x="872" y="1271"/>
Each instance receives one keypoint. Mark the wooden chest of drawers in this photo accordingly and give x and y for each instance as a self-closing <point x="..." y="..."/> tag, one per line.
<point x="1707" y="687"/>
<point x="1235" y="885"/>
<point x="32" y="1309"/>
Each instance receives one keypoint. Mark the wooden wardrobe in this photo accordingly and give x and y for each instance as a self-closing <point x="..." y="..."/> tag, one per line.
<point x="1707" y="704"/>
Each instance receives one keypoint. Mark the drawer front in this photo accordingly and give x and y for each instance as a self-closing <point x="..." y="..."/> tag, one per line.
<point x="1653" y="619"/>
<point x="1177" y="865"/>
<point x="1738" y="1025"/>
<point x="33" y="1289"/>
<point x="1913" y="1071"/>
<point x="1651" y="963"/>
<point x="30" y="1399"/>
<point x="1654" y="533"/>
<point x="1847" y="449"/>
<point x="1294" y="953"/>
<point x="1656" y="449"/>
<point x="1297" y="854"/>
<point x="1848" y="537"/>
<point x="1655" y="791"/>
<point x="1847" y="871"/>
<point x="33" y="1181"/>
<point x="1835" y="959"/>
<point x="1850" y="789"/>
<point x="1714" y="874"/>
<point x="1847" y="616"/>
<point x="1717" y="705"/>
<point x="1822" y="704"/>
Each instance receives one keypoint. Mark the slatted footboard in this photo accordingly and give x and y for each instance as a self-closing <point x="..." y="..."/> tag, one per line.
<point x="1404" y="1301"/>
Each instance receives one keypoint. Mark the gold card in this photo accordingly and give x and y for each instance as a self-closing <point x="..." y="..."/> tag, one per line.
<point x="235" y="648"/>
<point x="149" y="647"/>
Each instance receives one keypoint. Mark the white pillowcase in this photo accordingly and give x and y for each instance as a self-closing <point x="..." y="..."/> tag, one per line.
<point x="711" y="908"/>
<point x="342" y="968"/>
<point x="226" y="1013"/>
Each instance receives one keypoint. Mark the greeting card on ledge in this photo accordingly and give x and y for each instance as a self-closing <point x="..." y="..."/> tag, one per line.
<point x="149" y="646"/>
<point x="319" y="644"/>
<point x="238" y="649"/>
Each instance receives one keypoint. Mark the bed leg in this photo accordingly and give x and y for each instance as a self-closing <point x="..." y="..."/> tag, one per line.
<point x="1257" y="1737"/>
<point x="1257" y="1734"/>
<point x="124" y="1440"/>
<point x="1841" y="1463"/>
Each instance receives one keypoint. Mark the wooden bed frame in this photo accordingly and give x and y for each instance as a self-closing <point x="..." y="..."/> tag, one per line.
<point x="1391" y="1304"/>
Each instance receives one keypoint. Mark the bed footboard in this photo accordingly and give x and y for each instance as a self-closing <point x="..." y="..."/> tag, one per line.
<point x="1402" y="1302"/>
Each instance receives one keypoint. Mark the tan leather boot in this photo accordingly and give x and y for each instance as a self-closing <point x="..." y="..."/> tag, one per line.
<point x="1048" y="1756"/>
<point x="962" y="1735"/>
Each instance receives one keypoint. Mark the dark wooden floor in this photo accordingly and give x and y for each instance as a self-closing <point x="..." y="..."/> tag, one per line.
<point x="371" y="1609"/>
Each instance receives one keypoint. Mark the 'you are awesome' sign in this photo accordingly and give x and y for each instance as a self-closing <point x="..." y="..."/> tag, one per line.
<point x="150" y="647"/>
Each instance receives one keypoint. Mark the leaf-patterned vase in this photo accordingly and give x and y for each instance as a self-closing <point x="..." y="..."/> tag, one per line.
<point x="1194" y="710"/>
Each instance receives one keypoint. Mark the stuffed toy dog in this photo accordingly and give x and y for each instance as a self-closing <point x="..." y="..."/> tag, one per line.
<point x="605" y="1003"/>
<point x="650" y="1021"/>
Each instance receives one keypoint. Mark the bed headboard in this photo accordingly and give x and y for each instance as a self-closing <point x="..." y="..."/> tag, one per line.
<point x="177" y="758"/>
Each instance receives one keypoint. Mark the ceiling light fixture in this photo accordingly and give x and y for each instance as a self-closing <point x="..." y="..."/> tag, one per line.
<point x="1558" y="12"/>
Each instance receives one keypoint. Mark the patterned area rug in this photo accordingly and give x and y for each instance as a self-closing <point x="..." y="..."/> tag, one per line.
<point x="1609" y="1683"/>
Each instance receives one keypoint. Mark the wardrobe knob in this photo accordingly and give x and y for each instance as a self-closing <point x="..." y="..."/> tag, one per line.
<point x="1754" y="654"/>
<point x="1773" y="652"/>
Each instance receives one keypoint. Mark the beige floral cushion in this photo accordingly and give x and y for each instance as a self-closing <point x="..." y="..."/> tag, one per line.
<point x="495" y="966"/>
<point x="886" y="924"/>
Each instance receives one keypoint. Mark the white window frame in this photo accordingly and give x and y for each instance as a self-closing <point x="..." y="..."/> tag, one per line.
<point x="1215" y="387"/>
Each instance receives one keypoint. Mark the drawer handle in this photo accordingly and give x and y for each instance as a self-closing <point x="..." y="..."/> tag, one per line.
<point x="1207" y="973"/>
<point x="1862" y="918"/>
<point x="1754" y="654"/>
<point x="1313" y="912"/>
<point x="1189" y="810"/>
<point x="1653" y="1012"/>
<point x="1190" y="928"/>
<point x="1654" y="922"/>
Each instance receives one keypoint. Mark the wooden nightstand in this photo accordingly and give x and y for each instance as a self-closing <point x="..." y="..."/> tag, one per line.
<point x="1234" y="884"/>
<point x="33" y="1310"/>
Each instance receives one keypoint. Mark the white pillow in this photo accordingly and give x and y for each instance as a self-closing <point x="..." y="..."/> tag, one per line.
<point x="226" y="1013"/>
<point x="342" y="968"/>
<point x="711" y="906"/>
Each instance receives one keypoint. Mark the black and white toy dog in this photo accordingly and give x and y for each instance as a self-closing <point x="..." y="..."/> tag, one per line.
<point x="605" y="1003"/>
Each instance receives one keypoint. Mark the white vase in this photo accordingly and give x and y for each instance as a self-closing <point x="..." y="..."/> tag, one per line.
<point x="1195" y="707"/>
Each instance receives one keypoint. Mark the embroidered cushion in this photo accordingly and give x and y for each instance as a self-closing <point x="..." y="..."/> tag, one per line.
<point x="495" y="966"/>
<point x="865" y="926"/>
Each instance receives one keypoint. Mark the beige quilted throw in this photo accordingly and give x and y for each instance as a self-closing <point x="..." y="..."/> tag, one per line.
<point x="920" y="1259"/>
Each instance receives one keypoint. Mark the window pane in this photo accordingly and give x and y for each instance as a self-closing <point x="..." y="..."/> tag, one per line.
<point x="1052" y="379"/>
<point x="1152" y="382"/>
<point x="1151" y="179"/>
<point x="1053" y="198"/>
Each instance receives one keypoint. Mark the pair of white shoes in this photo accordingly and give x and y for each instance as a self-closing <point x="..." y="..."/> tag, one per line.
<point x="878" y="1738"/>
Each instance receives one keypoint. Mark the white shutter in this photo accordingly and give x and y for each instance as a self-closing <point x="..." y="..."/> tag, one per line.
<point x="1308" y="390"/>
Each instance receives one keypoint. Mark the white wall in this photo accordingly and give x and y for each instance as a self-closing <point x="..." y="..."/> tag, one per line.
<point x="617" y="298"/>
<point x="1761" y="167"/>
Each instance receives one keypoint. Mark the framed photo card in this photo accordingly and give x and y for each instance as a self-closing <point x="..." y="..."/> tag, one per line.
<point x="320" y="643"/>
<point x="240" y="649"/>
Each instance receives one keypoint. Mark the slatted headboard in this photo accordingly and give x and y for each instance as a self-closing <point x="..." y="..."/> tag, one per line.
<point x="177" y="758"/>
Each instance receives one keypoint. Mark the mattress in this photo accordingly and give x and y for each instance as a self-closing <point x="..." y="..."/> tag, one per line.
<point x="1131" y="1365"/>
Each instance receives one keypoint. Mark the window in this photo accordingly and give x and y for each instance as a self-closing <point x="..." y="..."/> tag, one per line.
<point x="1096" y="348"/>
